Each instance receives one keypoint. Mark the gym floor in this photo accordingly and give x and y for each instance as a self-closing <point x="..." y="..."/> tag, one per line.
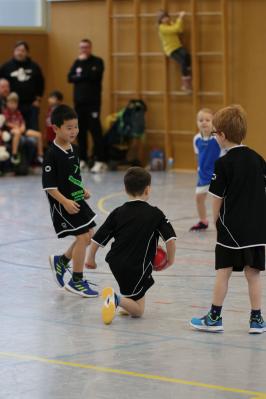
<point x="53" y="344"/>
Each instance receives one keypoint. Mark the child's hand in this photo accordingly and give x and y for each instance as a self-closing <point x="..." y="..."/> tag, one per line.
<point x="90" y="263"/>
<point x="86" y="194"/>
<point x="71" y="207"/>
<point x="182" y="14"/>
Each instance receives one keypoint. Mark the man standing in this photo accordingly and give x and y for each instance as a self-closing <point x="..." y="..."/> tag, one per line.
<point x="86" y="74"/>
<point x="26" y="79"/>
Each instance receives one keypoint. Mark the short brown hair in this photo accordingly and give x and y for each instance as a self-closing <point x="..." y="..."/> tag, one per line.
<point x="232" y="121"/>
<point x="136" y="180"/>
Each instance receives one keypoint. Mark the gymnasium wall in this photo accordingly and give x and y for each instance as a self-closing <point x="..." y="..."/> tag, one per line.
<point x="71" y="21"/>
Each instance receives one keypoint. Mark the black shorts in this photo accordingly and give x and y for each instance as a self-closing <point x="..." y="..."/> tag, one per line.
<point x="239" y="258"/>
<point x="132" y="282"/>
<point x="72" y="225"/>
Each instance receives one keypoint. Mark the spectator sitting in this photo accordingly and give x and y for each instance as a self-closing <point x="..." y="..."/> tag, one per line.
<point x="55" y="98"/>
<point x="4" y="138"/>
<point x="4" y="92"/>
<point x="16" y="125"/>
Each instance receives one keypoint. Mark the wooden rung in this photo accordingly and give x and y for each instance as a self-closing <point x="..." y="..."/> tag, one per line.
<point x="209" y="53"/>
<point x="174" y="14"/>
<point x="124" y="92"/>
<point x="173" y="132"/>
<point x="123" y="54"/>
<point x="118" y="16"/>
<point x="209" y="13"/>
<point x="152" y="54"/>
<point x="210" y="93"/>
<point x="182" y="132"/>
<point x="180" y="93"/>
<point x="152" y="93"/>
<point x="154" y="131"/>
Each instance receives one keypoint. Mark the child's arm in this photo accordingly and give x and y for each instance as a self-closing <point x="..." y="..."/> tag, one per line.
<point x="176" y="27"/>
<point x="216" y="206"/>
<point x="70" y="206"/>
<point x="22" y="127"/>
<point x="170" y="249"/>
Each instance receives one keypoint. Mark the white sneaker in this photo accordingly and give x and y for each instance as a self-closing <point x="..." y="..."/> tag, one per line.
<point x="98" y="167"/>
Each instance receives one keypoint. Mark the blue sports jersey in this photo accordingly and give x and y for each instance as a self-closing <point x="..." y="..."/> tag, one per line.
<point x="207" y="150"/>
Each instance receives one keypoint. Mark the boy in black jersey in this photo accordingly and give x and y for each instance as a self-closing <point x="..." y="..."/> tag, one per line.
<point x="71" y="215"/>
<point x="239" y="207"/>
<point x="135" y="227"/>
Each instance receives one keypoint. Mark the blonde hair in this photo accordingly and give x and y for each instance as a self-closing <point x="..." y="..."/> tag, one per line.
<point x="231" y="121"/>
<point x="206" y="110"/>
<point x="13" y="97"/>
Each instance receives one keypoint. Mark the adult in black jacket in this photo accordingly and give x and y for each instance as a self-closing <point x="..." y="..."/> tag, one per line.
<point x="86" y="74"/>
<point x="26" y="79"/>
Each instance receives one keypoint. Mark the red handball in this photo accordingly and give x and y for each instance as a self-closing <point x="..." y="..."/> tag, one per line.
<point x="160" y="260"/>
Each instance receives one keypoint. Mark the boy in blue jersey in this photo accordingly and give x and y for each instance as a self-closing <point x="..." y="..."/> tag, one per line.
<point x="207" y="150"/>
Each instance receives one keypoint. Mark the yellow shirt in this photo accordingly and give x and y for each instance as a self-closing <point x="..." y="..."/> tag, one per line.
<point x="169" y="36"/>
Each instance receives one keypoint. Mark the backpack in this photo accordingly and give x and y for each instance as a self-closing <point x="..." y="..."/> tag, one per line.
<point x="129" y="124"/>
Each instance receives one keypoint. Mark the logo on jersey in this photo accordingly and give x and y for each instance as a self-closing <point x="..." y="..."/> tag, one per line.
<point x="22" y="74"/>
<point x="47" y="168"/>
<point x="214" y="176"/>
<point x="64" y="225"/>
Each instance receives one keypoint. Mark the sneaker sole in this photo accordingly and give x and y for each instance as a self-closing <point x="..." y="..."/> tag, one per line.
<point x="51" y="261"/>
<point x="80" y="293"/>
<point x="107" y="291"/>
<point x="108" y="311"/>
<point x="215" y="329"/>
<point x="257" y="330"/>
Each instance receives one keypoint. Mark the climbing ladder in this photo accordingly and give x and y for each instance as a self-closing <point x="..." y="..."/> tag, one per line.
<point x="195" y="15"/>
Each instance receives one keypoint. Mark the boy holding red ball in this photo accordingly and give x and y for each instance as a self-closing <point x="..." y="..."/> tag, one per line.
<point x="136" y="227"/>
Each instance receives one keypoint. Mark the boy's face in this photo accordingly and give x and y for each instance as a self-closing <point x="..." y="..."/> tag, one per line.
<point x="204" y="123"/>
<point x="12" y="105"/>
<point x="68" y="131"/>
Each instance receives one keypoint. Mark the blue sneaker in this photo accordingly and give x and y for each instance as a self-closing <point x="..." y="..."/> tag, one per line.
<point x="81" y="288"/>
<point x="206" y="323"/>
<point x="257" y="326"/>
<point x="58" y="269"/>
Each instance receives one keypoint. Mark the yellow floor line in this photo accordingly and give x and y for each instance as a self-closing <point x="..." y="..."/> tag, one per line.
<point x="255" y="395"/>
<point x="101" y="202"/>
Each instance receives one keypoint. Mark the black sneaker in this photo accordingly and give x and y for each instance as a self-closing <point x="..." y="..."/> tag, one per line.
<point x="199" y="226"/>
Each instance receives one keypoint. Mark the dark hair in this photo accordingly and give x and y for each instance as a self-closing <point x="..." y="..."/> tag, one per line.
<point x="88" y="41"/>
<point x="61" y="114"/>
<point x="57" y="94"/>
<point x="231" y="121"/>
<point x="136" y="180"/>
<point x="22" y="43"/>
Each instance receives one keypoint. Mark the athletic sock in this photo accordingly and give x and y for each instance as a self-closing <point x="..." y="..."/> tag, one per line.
<point x="64" y="260"/>
<point x="77" y="276"/>
<point x="255" y="314"/>
<point x="215" y="311"/>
